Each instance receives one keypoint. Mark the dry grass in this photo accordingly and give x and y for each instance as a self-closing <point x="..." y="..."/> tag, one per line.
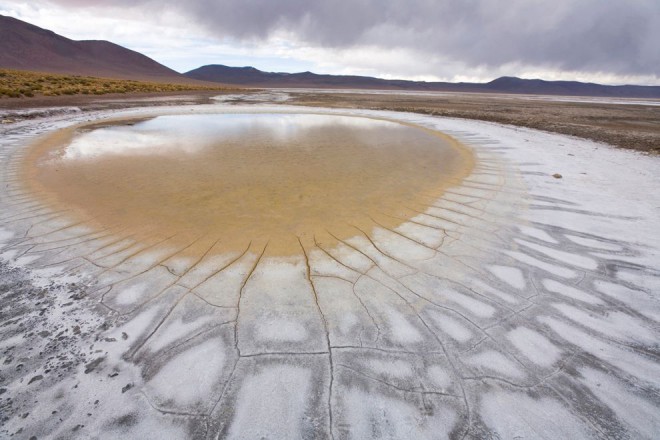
<point x="24" y="84"/>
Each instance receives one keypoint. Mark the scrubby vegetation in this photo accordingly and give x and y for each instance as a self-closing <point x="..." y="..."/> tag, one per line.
<point x="19" y="84"/>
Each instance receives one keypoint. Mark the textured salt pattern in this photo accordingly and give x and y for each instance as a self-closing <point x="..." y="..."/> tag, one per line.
<point x="516" y="306"/>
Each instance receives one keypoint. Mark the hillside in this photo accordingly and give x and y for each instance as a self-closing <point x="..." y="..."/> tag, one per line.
<point x="24" y="46"/>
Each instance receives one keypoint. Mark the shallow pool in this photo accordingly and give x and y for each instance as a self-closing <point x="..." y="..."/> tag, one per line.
<point x="279" y="178"/>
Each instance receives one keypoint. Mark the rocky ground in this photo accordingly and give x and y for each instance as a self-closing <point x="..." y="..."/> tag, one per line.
<point x="630" y="124"/>
<point x="522" y="304"/>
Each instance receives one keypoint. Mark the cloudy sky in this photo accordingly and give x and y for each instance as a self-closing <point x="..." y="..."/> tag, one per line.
<point x="607" y="41"/>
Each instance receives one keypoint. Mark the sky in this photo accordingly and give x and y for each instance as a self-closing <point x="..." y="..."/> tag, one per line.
<point x="605" y="41"/>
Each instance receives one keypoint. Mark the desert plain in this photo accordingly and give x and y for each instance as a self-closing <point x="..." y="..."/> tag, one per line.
<point x="514" y="297"/>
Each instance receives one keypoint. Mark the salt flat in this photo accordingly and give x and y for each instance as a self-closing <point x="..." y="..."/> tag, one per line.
<point x="516" y="305"/>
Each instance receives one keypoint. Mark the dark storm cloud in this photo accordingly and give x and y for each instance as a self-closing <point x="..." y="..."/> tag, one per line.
<point x="613" y="36"/>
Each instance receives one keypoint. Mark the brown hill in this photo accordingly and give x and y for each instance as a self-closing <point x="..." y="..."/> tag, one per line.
<point x="24" y="46"/>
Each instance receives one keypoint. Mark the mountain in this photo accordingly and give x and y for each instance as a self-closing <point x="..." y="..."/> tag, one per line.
<point x="24" y="46"/>
<point x="249" y="76"/>
<point x="509" y="84"/>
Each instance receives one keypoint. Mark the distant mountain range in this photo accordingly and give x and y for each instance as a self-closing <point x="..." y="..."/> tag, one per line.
<point x="24" y="46"/>
<point x="251" y="77"/>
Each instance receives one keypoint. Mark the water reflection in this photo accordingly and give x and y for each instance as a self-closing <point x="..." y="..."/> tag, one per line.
<point x="249" y="177"/>
<point x="191" y="134"/>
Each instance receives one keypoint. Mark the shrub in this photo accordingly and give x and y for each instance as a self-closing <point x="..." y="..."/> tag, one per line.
<point x="15" y="83"/>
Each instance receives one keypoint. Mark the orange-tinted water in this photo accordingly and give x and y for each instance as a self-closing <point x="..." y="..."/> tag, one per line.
<point x="240" y="178"/>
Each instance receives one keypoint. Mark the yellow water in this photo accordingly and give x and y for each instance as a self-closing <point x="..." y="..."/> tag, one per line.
<point x="237" y="179"/>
